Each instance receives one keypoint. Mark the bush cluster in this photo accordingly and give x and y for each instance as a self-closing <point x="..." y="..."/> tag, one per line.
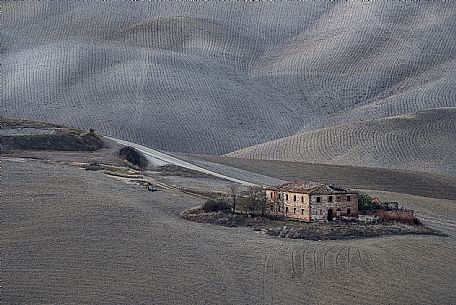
<point x="365" y="203"/>
<point x="216" y="205"/>
<point x="133" y="156"/>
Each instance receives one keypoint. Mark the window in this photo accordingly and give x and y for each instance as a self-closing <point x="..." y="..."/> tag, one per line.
<point x="294" y="211"/>
<point x="302" y="211"/>
<point x="339" y="198"/>
<point x="294" y="197"/>
<point x="302" y="198"/>
<point x="348" y="198"/>
<point x="348" y="211"/>
<point x="286" y="210"/>
<point x="272" y="208"/>
<point x="286" y="197"/>
<point x="271" y="195"/>
<point x="330" y="198"/>
<point x="279" y="195"/>
<point x="318" y="199"/>
<point x="278" y="208"/>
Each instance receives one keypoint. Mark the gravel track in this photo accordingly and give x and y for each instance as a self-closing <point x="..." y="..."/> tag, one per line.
<point x="214" y="77"/>
<point x="77" y="237"/>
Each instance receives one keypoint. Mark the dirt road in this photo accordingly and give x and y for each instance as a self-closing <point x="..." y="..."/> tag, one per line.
<point x="159" y="158"/>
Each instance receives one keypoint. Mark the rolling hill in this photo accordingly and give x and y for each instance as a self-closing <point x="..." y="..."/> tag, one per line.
<point x="215" y="77"/>
<point x="424" y="141"/>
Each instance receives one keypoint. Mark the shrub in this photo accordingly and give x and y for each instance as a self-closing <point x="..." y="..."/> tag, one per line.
<point x="417" y="222"/>
<point x="133" y="156"/>
<point x="216" y="205"/>
<point x="365" y="203"/>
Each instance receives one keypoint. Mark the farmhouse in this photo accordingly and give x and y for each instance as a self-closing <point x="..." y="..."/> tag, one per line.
<point x="307" y="201"/>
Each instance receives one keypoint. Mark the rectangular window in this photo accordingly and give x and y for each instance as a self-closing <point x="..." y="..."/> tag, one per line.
<point x="294" y="211"/>
<point x="349" y="198"/>
<point x="286" y="197"/>
<point x="302" y="198"/>
<point x="318" y="199"/>
<point x="294" y="197"/>
<point x="286" y="210"/>
<point x="271" y="195"/>
<point x="302" y="211"/>
<point x="279" y="195"/>
<point x="330" y="198"/>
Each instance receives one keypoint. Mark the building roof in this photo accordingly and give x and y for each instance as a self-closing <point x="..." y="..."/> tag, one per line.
<point x="307" y="187"/>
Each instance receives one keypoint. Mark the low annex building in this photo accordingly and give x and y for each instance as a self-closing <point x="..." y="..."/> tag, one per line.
<point x="307" y="201"/>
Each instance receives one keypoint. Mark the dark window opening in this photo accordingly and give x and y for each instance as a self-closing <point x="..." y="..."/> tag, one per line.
<point x="318" y="199"/>
<point x="286" y="197"/>
<point x="330" y="198"/>
<point x="271" y="194"/>
<point x="302" y="211"/>
<point x="348" y="211"/>
<point x="339" y="198"/>
<point x="294" y="211"/>
<point x="286" y="210"/>
<point x="348" y="198"/>
<point x="294" y="197"/>
<point x="302" y="198"/>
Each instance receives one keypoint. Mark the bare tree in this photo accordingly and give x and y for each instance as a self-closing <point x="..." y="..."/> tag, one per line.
<point x="233" y="194"/>
<point x="257" y="200"/>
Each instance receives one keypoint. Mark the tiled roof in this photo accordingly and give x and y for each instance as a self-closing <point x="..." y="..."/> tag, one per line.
<point x="303" y="186"/>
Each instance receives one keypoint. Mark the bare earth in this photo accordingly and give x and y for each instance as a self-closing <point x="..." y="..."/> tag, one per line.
<point x="214" y="77"/>
<point x="80" y="237"/>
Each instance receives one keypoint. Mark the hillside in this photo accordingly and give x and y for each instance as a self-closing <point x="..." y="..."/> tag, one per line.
<point x="31" y="135"/>
<point x="214" y="77"/>
<point x="425" y="141"/>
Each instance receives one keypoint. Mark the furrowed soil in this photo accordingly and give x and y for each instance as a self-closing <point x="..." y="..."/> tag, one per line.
<point x="75" y="236"/>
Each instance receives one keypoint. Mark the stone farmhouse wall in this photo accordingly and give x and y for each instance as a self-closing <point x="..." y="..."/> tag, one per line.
<point x="340" y="205"/>
<point x="397" y="215"/>
<point x="308" y="207"/>
<point x="288" y="204"/>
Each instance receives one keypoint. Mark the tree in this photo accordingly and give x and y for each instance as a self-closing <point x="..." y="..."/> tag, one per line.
<point x="233" y="194"/>
<point x="254" y="202"/>
<point x="365" y="203"/>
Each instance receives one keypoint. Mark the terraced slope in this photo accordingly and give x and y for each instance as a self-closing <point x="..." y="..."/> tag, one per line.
<point x="214" y="77"/>
<point x="77" y="237"/>
<point x="425" y="141"/>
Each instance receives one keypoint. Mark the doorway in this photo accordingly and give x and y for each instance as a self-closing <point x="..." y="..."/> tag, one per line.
<point x="330" y="214"/>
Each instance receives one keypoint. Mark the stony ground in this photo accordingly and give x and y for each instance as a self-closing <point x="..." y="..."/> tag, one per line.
<point x="80" y="237"/>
